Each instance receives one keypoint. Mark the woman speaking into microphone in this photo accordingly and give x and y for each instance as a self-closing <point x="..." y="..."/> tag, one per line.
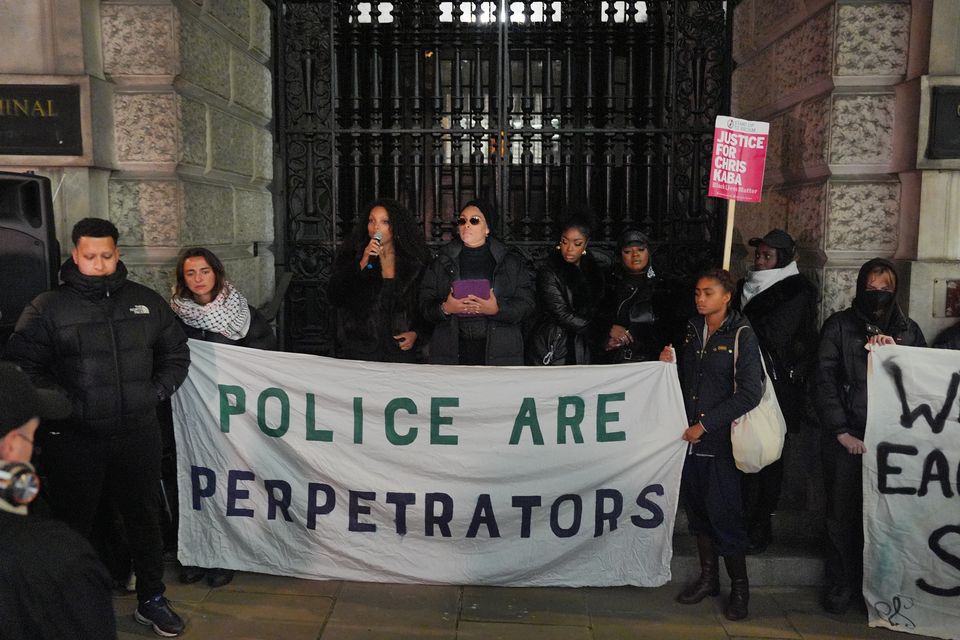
<point x="376" y="276"/>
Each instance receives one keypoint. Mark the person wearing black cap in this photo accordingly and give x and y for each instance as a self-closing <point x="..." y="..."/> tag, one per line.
<point x="477" y="293"/>
<point x="52" y="585"/>
<point x="632" y="315"/>
<point x="117" y="351"/>
<point x="781" y="305"/>
<point x="569" y="288"/>
<point x="874" y="318"/>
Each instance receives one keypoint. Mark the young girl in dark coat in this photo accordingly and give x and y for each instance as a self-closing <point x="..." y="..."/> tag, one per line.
<point x="874" y="318"/>
<point x="210" y="308"/>
<point x="569" y="288"/>
<point x="781" y="305"/>
<point x="718" y="387"/>
<point x="374" y="285"/>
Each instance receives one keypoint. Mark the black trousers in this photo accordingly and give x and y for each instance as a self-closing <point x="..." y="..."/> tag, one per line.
<point x="711" y="495"/>
<point x="81" y="469"/>
<point x="844" y="486"/>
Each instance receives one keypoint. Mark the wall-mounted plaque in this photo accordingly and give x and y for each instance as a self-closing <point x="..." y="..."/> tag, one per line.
<point x="944" y="140"/>
<point x="40" y="119"/>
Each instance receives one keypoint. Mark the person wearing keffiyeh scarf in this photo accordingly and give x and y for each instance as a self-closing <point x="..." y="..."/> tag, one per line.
<point x="210" y="308"/>
<point x="228" y="314"/>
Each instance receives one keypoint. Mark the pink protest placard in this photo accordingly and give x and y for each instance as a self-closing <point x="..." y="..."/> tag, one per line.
<point x="739" y="154"/>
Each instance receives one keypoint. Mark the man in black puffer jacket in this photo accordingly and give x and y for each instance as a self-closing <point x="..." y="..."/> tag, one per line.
<point x="841" y="394"/>
<point x="115" y="349"/>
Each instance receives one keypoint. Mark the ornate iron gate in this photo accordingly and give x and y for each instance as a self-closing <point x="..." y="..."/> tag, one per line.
<point x="540" y="107"/>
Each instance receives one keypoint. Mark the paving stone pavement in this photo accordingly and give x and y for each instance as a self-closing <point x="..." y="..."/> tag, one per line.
<point x="261" y="607"/>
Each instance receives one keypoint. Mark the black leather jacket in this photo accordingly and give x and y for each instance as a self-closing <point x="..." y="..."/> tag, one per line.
<point x="113" y="346"/>
<point x="568" y="297"/>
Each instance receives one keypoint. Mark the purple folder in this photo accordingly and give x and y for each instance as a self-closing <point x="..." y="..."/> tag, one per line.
<point x="463" y="288"/>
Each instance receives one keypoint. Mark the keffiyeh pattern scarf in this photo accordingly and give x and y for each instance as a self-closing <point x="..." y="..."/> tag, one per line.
<point x="228" y="314"/>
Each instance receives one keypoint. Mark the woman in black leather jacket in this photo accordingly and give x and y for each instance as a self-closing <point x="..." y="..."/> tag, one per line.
<point x="632" y="317"/>
<point x="569" y="287"/>
<point x="841" y="388"/>
<point x="374" y="285"/>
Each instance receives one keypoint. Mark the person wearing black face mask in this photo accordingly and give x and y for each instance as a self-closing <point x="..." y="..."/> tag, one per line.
<point x="874" y="318"/>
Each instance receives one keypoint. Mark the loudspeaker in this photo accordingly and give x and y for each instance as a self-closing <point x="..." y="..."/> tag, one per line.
<point x="29" y="251"/>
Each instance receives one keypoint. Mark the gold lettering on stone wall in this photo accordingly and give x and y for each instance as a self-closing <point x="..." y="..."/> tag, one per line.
<point x="25" y="107"/>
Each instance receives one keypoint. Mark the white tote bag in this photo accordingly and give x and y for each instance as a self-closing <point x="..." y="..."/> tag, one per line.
<point x="757" y="436"/>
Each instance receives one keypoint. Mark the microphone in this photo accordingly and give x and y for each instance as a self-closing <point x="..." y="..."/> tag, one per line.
<point x="374" y="261"/>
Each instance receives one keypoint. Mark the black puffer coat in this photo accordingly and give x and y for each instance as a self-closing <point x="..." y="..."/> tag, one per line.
<point x="369" y="315"/>
<point x="259" y="336"/>
<point x="949" y="338"/>
<point x="113" y="346"/>
<point x="513" y="286"/>
<point x="707" y="378"/>
<point x="841" y="374"/>
<point x="568" y="297"/>
<point x="784" y="316"/>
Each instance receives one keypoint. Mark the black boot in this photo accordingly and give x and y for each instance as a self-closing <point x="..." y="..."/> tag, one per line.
<point x="736" y="608"/>
<point x="760" y="534"/>
<point x="708" y="584"/>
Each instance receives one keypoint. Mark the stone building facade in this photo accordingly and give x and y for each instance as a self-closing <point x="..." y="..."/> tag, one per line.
<point x="177" y="106"/>
<point x="177" y="99"/>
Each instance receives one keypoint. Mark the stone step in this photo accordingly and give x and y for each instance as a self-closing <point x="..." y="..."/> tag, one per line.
<point x="794" y="559"/>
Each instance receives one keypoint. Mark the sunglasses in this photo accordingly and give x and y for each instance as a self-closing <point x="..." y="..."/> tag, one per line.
<point x="474" y="221"/>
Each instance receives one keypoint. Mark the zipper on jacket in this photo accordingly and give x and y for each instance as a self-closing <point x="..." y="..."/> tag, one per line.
<point x="116" y="361"/>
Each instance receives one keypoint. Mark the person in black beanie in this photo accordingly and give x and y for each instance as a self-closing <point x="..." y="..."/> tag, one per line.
<point x="477" y="293"/>
<point x="874" y="318"/>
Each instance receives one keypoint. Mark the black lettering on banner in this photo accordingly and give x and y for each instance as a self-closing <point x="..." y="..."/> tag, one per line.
<point x="526" y="505"/>
<point x="205" y="492"/>
<point x="656" y="512"/>
<point x="936" y="459"/>
<point x="884" y="468"/>
<point x="432" y="519"/>
<point x="314" y="509"/>
<point x="483" y="514"/>
<point x="946" y="556"/>
<point x="282" y="503"/>
<point x="574" y="527"/>
<point x="602" y="515"/>
<point x="909" y="416"/>
<point x="356" y="510"/>
<point x="402" y="501"/>
<point x="235" y="493"/>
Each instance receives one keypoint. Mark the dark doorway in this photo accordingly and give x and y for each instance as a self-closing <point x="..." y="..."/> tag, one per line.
<point x="540" y="107"/>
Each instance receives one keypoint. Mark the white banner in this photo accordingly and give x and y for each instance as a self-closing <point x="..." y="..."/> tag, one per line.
<point x="333" y="469"/>
<point x="911" y="487"/>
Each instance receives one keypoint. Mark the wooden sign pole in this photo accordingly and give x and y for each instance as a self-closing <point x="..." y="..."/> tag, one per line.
<point x="728" y="237"/>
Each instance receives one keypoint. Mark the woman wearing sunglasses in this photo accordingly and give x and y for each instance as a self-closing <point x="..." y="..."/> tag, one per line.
<point x="569" y="288"/>
<point x="374" y="285"/>
<point x="477" y="292"/>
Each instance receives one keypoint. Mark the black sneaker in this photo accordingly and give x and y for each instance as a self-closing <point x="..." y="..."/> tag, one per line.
<point x="157" y="612"/>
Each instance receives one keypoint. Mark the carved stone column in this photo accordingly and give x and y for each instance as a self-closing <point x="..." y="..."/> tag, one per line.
<point x="839" y="82"/>
<point x="935" y="282"/>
